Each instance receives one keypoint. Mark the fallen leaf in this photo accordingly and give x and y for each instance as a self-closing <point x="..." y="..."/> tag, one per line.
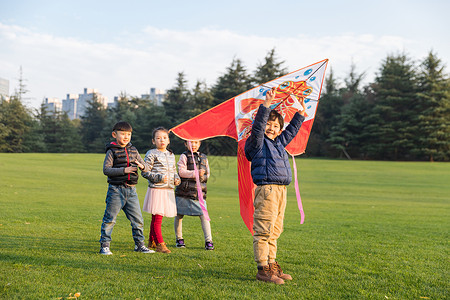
<point x="123" y="255"/>
<point x="424" y="298"/>
<point x="28" y="223"/>
<point x="200" y="265"/>
<point x="77" y="295"/>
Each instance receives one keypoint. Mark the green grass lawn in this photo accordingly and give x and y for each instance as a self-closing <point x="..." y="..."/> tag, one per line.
<point x="373" y="230"/>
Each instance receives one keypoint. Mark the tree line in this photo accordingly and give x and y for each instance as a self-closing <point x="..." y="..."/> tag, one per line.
<point x="404" y="114"/>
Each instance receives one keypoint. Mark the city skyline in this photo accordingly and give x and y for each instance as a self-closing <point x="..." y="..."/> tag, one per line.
<point x="121" y="47"/>
<point x="75" y="104"/>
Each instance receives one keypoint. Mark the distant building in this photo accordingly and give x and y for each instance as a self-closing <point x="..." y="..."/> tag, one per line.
<point x="69" y="105"/>
<point x="156" y="96"/>
<point x="113" y="104"/>
<point x="53" y="104"/>
<point x="87" y="96"/>
<point x="4" y="88"/>
<point x="75" y="104"/>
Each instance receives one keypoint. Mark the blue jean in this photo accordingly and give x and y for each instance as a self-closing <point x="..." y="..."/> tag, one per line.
<point x="125" y="198"/>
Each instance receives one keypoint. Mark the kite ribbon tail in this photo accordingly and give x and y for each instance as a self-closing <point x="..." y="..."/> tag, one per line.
<point x="199" y="188"/>
<point x="297" y="192"/>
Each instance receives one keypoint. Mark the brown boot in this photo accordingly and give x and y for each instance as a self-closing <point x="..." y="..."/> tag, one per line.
<point x="151" y="245"/>
<point x="161" y="247"/>
<point x="267" y="275"/>
<point x="276" y="269"/>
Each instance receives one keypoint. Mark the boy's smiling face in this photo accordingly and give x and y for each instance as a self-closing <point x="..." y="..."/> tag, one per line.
<point x="122" y="137"/>
<point x="273" y="129"/>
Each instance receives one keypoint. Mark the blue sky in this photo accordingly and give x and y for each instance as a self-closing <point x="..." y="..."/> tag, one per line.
<point x="114" y="46"/>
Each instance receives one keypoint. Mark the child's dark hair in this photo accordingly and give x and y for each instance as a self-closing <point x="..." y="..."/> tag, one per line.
<point x="122" y="126"/>
<point x="274" y="115"/>
<point x="159" y="129"/>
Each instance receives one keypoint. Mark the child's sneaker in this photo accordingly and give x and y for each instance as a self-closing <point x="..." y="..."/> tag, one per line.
<point x="180" y="243"/>
<point x="141" y="248"/>
<point x="104" y="250"/>
<point x="209" y="246"/>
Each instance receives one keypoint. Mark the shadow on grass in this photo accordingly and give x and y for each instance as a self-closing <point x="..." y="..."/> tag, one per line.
<point x="194" y="263"/>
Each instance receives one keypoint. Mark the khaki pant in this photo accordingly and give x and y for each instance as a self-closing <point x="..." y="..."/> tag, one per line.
<point x="270" y="204"/>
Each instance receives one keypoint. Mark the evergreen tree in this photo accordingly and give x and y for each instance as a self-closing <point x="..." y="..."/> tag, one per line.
<point x="123" y="110"/>
<point x="269" y="70"/>
<point x="177" y="110"/>
<point x="56" y="133"/>
<point x="92" y="128"/>
<point x="34" y="139"/>
<point x="327" y="115"/>
<point x="201" y="99"/>
<point x="148" y="117"/>
<point x="234" y="82"/>
<point x="434" y="101"/>
<point x="394" y="118"/>
<point x="16" y="121"/>
<point x="5" y="131"/>
<point x="44" y="130"/>
<point x="68" y="135"/>
<point x="177" y="100"/>
<point x="348" y="132"/>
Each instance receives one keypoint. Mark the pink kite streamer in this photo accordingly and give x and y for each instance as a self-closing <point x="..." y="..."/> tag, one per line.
<point x="297" y="192"/>
<point x="199" y="188"/>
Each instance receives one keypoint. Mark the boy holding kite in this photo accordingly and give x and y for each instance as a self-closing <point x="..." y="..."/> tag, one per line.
<point x="271" y="173"/>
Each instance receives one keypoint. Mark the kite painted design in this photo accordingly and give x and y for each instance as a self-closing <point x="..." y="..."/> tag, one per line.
<point x="234" y="118"/>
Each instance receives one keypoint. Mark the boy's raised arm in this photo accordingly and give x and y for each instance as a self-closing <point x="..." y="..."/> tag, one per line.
<point x="292" y="129"/>
<point x="255" y="141"/>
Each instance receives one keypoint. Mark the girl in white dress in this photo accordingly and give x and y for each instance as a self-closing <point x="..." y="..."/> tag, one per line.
<point x="162" y="179"/>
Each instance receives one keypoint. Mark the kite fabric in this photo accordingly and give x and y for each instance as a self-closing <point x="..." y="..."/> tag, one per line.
<point x="234" y="118"/>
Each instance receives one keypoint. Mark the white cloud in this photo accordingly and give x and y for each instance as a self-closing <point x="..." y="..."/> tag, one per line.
<point x="54" y="66"/>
